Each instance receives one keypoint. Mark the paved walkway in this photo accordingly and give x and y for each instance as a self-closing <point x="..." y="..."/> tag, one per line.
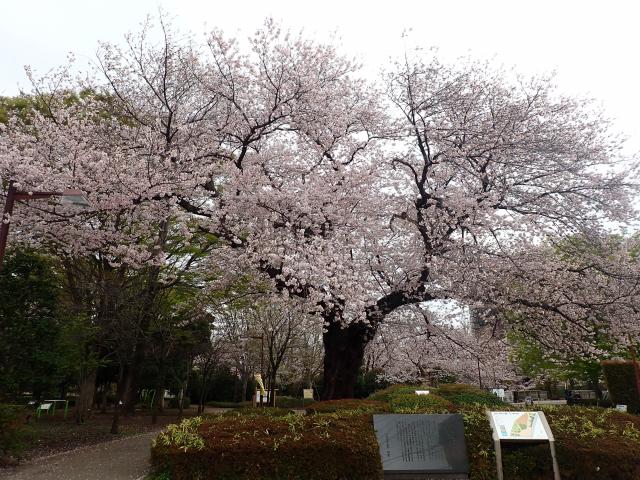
<point x="124" y="459"/>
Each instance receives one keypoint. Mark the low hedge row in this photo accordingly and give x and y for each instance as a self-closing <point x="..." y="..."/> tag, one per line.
<point x="314" y="447"/>
<point x="336" y="441"/>
<point x="412" y="403"/>
<point x="460" y="394"/>
<point x="622" y="384"/>
<point x="349" y="404"/>
<point x="456" y="393"/>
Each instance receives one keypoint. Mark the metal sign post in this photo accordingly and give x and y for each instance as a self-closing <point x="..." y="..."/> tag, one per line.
<point x="501" y="434"/>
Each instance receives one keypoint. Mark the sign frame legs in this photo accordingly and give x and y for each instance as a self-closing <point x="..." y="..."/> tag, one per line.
<point x="498" y="447"/>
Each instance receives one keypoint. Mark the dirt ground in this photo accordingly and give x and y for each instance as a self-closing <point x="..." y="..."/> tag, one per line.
<point x="53" y="434"/>
<point x="58" y="449"/>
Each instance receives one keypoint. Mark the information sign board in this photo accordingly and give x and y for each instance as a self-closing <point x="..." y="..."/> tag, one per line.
<point x="422" y="446"/>
<point x="519" y="426"/>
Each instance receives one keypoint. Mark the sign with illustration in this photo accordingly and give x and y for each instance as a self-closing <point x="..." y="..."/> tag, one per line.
<point x="519" y="426"/>
<point x="516" y="427"/>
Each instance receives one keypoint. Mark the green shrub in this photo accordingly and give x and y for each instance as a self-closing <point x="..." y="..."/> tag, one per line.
<point x="10" y="430"/>
<point x="621" y="381"/>
<point x="398" y="389"/>
<point x="291" y="402"/>
<point x="592" y="443"/>
<point x="248" y="411"/>
<point x="478" y="437"/>
<point x="369" y="382"/>
<point x="318" y="447"/>
<point x="412" y="403"/>
<point x="183" y="436"/>
<point x="595" y="442"/>
<point x="461" y="394"/>
<point x="359" y="405"/>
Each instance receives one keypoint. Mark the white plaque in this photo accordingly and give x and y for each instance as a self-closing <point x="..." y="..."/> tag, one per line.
<point x="307" y="393"/>
<point x="621" y="408"/>
<point x="422" y="392"/>
<point x="519" y="426"/>
<point x="498" y="392"/>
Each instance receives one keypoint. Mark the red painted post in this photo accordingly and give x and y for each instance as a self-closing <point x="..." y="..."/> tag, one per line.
<point x="4" y="224"/>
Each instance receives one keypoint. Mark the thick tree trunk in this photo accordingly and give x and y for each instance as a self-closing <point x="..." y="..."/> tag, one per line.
<point x="85" y="396"/>
<point x="203" y="393"/>
<point x="272" y="389"/>
<point x="106" y="388"/>
<point x="158" y="404"/>
<point x="130" y="395"/>
<point x="180" y="401"/>
<point x="243" y="390"/>
<point x="343" y="357"/>
<point x="123" y="381"/>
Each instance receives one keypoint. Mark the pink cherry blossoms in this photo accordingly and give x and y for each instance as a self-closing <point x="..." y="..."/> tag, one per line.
<point x="360" y="197"/>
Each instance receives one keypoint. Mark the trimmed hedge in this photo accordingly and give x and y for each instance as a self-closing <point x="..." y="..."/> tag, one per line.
<point x="412" y="403"/>
<point x="460" y="394"/>
<point x="253" y="411"/>
<point x="349" y="404"/>
<point x="591" y="443"/>
<point x="398" y="389"/>
<point x="621" y="382"/>
<point x="316" y="447"/>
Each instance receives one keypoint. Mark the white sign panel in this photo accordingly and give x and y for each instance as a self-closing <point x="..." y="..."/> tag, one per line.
<point x="519" y="426"/>
<point x="307" y="393"/>
<point x="498" y="392"/>
<point x="621" y="408"/>
<point x="422" y="392"/>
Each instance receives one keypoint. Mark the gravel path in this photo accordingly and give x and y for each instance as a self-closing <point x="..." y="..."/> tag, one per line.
<point x="124" y="459"/>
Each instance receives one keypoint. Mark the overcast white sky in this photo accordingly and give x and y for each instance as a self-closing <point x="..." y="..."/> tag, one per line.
<point x="592" y="45"/>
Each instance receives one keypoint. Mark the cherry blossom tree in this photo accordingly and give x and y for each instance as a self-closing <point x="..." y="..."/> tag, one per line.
<point x="576" y="298"/>
<point x="420" y="344"/>
<point x="359" y="198"/>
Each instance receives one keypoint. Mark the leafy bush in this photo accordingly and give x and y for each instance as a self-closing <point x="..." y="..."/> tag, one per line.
<point x="183" y="436"/>
<point x="249" y="411"/>
<point x="595" y="442"/>
<point x="291" y="402"/>
<point x="621" y="381"/>
<point x="338" y="442"/>
<point x="412" y="403"/>
<point x="9" y="428"/>
<point x="398" y="389"/>
<point x="363" y="406"/>
<point x="369" y="382"/>
<point x="461" y="394"/>
<point x="318" y="447"/>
